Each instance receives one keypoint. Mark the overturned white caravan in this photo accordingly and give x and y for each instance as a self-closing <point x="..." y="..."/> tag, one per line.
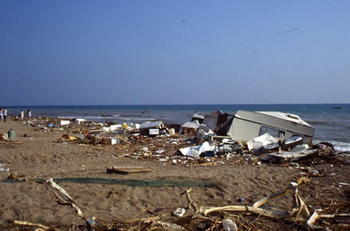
<point x="247" y="125"/>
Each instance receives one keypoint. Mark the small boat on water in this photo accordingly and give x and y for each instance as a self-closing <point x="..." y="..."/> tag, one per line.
<point x="338" y="107"/>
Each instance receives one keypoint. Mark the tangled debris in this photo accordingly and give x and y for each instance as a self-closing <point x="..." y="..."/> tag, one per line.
<point x="226" y="217"/>
<point x="195" y="143"/>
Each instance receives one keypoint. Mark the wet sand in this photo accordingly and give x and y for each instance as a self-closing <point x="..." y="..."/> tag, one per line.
<point x="36" y="154"/>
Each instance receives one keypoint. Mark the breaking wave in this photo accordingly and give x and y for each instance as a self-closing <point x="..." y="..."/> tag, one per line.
<point x="116" y="118"/>
<point x="338" y="145"/>
<point x="137" y="119"/>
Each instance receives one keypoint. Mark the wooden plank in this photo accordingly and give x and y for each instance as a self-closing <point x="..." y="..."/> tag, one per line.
<point x="126" y="169"/>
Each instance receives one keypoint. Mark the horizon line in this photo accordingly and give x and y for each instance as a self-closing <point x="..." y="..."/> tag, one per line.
<point x="199" y="104"/>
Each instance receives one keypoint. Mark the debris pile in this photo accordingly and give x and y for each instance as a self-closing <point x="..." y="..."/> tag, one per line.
<point x="219" y="138"/>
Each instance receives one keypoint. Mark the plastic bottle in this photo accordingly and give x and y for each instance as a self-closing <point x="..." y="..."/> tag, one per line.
<point x="229" y="225"/>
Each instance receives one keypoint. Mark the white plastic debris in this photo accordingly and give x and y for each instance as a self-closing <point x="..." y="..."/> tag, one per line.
<point x="3" y="169"/>
<point x="196" y="151"/>
<point x="159" y="151"/>
<point x="261" y="141"/>
<point x="63" y="122"/>
<point x="180" y="212"/>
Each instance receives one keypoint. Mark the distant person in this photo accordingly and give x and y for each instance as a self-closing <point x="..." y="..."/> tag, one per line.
<point x="22" y="114"/>
<point x="1" y="115"/>
<point x="29" y="113"/>
<point x="4" y="111"/>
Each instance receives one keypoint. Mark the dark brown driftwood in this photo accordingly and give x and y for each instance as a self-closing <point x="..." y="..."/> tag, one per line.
<point x="126" y="169"/>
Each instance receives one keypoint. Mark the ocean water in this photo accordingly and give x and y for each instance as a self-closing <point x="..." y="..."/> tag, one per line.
<point x="331" y="121"/>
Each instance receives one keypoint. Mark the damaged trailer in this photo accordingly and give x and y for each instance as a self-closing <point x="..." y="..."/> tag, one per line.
<point x="247" y="125"/>
<point x="152" y="128"/>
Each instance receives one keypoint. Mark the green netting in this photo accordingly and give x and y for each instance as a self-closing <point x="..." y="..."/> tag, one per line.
<point x="131" y="182"/>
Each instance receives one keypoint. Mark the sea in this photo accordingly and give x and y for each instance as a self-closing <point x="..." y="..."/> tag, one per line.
<point x="331" y="121"/>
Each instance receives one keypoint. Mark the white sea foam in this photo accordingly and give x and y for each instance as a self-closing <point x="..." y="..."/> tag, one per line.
<point x="137" y="119"/>
<point x="68" y="117"/>
<point x="338" y="145"/>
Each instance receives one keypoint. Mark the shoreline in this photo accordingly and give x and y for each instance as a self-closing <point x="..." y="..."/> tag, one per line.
<point x="330" y="124"/>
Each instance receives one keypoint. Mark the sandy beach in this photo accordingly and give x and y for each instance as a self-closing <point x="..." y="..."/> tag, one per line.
<point x="38" y="153"/>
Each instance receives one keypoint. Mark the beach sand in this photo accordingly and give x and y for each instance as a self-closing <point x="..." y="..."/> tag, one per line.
<point x="37" y="154"/>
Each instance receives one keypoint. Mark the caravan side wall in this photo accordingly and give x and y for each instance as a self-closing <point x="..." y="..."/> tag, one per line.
<point x="246" y="125"/>
<point x="243" y="130"/>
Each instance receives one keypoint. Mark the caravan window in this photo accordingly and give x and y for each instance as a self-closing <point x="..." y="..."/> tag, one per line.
<point x="273" y="132"/>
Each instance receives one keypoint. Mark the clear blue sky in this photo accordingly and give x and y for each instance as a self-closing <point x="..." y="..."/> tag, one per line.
<point x="64" y="52"/>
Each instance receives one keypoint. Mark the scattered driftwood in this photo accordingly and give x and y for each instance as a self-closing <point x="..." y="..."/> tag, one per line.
<point x="207" y="164"/>
<point x="26" y="223"/>
<point x="9" y="142"/>
<point x="339" y="218"/>
<point x="299" y="210"/>
<point x="123" y="139"/>
<point x="302" y="180"/>
<point x="143" y="220"/>
<point x="155" y="221"/>
<point x="126" y="169"/>
<point x="191" y="204"/>
<point x="169" y="226"/>
<point x="61" y="196"/>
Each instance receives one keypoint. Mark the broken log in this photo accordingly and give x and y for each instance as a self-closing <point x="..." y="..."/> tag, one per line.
<point x="126" y="169"/>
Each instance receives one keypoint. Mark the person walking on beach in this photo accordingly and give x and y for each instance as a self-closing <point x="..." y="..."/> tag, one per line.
<point x="5" y="114"/>
<point x="1" y="114"/>
<point x="22" y="114"/>
<point x="29" y="113"/>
